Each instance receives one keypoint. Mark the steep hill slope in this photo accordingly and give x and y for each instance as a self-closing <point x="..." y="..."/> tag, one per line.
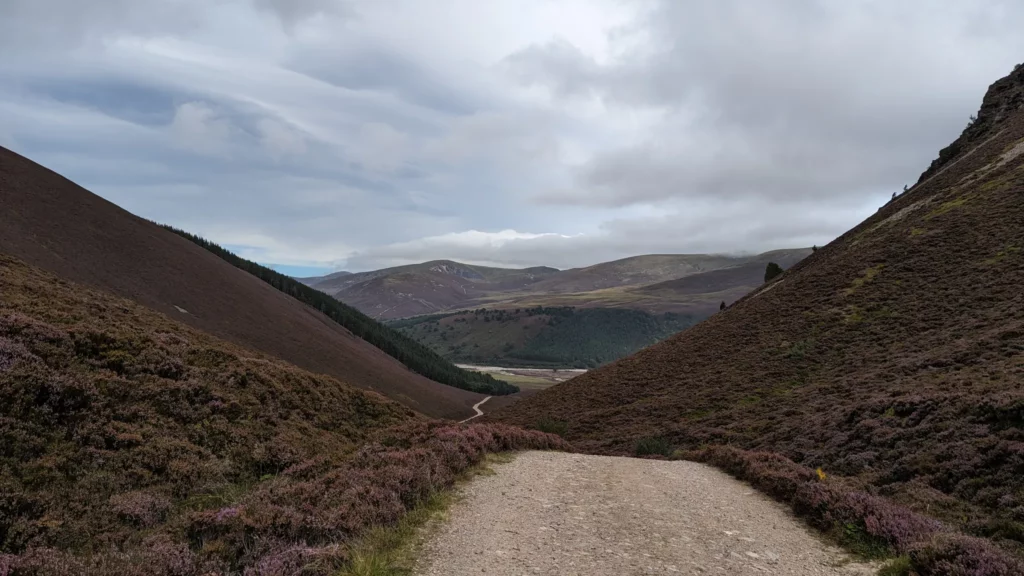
<point x="132" y="444"/>
<point x="894" y="356"/>
<point x="704" y="291"/>
<point x="634" y="271"/>
<point x="417" y="357"/>
<point x="50" y="222"/>
<point x="698" y="292"/>
<point x="558" y="337"/>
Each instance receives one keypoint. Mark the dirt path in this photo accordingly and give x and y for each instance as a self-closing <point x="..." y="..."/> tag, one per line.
<point x="561" y="514"/>
<point x="476" y="407"/>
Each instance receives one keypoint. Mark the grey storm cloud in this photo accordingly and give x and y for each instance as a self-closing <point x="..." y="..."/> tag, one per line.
<point x="363" y="133"/>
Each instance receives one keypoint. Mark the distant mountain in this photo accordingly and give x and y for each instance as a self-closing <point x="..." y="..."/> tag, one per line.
<point x="314" y="280"/>
<point x="633" y="271"/>
<point x="49" y="222"/>
<point x="443" y="285"/>
<point x="425" y="288"/>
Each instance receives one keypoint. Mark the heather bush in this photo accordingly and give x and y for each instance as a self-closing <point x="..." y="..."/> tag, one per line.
<point x="133" y="445"/>
<point x="376" y="487"/>
<point x="142" y="508"/>
<point x="899" y="566"/>
<point x="956" y="555"/>
<point x="870" y="524"/>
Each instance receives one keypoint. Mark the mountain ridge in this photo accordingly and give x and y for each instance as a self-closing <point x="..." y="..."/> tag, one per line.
<point x="441" y="286"/>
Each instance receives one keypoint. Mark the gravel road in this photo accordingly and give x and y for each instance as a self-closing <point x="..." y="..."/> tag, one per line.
<point x="562" y="514"/>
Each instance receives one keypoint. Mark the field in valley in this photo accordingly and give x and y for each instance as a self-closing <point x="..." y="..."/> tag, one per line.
<point x="528" y="378"/>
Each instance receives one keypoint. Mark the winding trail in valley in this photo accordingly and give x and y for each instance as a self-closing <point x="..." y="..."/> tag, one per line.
<point x="476" y="407"/>
<point x="553" y="513"/>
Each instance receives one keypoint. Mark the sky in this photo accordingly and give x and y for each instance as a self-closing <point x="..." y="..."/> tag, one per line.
<point x="322" y="135"/>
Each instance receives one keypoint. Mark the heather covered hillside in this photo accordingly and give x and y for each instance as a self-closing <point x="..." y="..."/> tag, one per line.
<point x="133" y="444"/>
<point x="50" y="222"/>
<point x="892" y="359"/>
<point x="413" y="354"/>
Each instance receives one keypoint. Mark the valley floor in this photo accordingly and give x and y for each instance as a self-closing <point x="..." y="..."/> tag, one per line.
<point x="527" y="378"/>
<point x="553" y="513"/>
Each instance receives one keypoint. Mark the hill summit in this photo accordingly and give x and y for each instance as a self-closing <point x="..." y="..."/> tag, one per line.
<point x="892" y="358"/>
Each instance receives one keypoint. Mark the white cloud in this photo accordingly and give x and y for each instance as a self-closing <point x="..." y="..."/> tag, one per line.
<point x="280" y="139"/>
<point x="381" y="131"/>
<point x="198" y="128"/>
<point x="471" y="247"/>
<point x="379" y="147"/>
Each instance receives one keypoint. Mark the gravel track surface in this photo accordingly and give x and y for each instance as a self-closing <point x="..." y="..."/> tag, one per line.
<point x="569" y="514"/>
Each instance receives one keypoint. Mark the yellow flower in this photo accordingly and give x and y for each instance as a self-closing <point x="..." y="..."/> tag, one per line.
<point x="821" y="474"/>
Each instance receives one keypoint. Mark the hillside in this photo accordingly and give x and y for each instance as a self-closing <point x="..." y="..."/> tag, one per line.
<point x="697" y="294"/>
<point x="559" y="337"/>
<point x="892" y="359"/>
<point x="444" y="285"/>
<point x="425" y="288"/>
<point x="635" y="271"/>
<point x="49" y="222"/>
<point x="134" y="444"/>
<point x="417" y="357"/>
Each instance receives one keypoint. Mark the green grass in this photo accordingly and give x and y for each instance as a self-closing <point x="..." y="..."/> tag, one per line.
<point x="947" y="207"/>
<point x="391" y="550"/>
<point x="1010" y="250"/>
<point x="653" y="446"/>
<point x="896" y="567"/>
<point x="529" y="382"/>
<point x="799" y="349"/>
<point x="865" y="278"/>
<point x="855" y="538"/>
<point x="552" y="426"/>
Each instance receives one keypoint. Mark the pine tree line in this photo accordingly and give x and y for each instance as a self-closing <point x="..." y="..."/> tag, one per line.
<point x="412" y="354"/>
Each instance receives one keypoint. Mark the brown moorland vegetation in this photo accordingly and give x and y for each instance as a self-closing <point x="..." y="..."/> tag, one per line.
<point x="131" y="444"/>
<point x="892" y="359"/>
<point x="50" y="222"/>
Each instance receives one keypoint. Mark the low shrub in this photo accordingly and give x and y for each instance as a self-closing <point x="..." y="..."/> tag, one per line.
<point x="552" y="426"/>
<point x="958" y="555"/>
<point x="899" y="566"/>
<point x="131" y="444"/>
<point x="869" y="524"/>
<point x="653" y="447"/>
<point x="303" y="519"/>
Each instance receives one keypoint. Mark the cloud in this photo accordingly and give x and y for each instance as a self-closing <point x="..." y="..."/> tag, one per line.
<point x="197" y="127"/>
<point x="685" y="230"/>
<point x="364" y="133"/>
<point x="790" y="100"/>
<point x="501" y="248"/>
<point x="280" y="139"/>
<point x="292" y="12"/>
